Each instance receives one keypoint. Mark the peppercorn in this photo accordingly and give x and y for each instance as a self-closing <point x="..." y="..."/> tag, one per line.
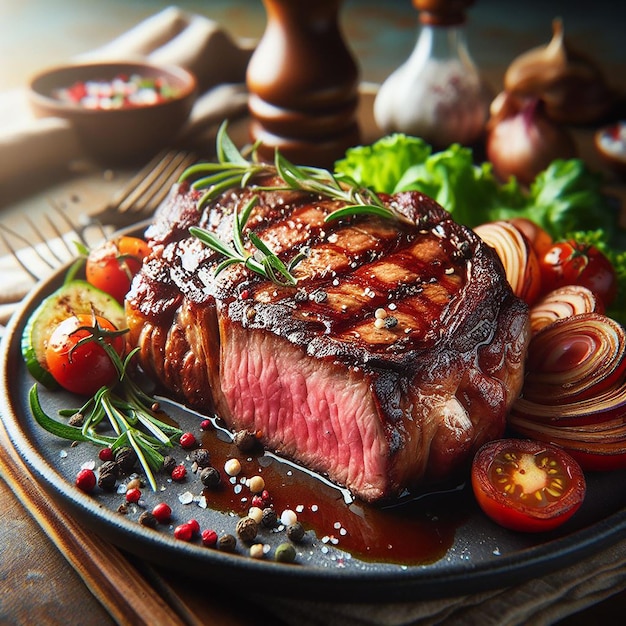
<point x="295" y="531"/>
<point x="288" y="517"/>
<point x="227" y="543"/>
<point x="135" y="483"/>
<point x="269" y="518"/>
<point x="245" y="440"/>
<point x="247" y="529"/>
<point x="285" y="553"/>
<point x="205" y="425"/>
<point x="107" y="475"/>
<point x="257" y="551"/>
<point x="256" y="484"/>
<point x="169" y="463"/>
<point x="184" y="532"/>
<point x="125" y="459"/>
<point x="86" y="480"/>
<point x="162" y="512"/>
<point x="187" y="441"/>
<point x="148" y="519"/>
<point x="179" y="473"/>
<point x="77" y="420"/>
<point x="133" y="495"/>
<point x="201" y="457"/>
<point x="209" y="538"/>
<point x="106" y="454"/>
<point x="232" y="467"/>
<point x="195" y="526"/>
<point x="210" y="477"/>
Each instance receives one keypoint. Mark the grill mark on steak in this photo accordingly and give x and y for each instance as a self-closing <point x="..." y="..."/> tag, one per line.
<point x="378" y="410"/>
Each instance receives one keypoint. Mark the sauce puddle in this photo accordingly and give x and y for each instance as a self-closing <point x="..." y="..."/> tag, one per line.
<point x="417" y="531"/>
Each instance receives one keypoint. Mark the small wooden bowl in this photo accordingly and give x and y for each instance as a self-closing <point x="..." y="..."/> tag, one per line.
<point x="117" y="135"/>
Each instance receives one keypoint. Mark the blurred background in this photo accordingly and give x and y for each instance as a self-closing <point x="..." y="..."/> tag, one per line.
<point x="38" y="33"/>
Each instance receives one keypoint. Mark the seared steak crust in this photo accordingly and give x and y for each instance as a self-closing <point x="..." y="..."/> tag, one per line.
<point x="379" y="407"/>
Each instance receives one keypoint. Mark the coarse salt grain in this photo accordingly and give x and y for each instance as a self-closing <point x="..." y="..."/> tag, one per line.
<point x="185" y="498"/>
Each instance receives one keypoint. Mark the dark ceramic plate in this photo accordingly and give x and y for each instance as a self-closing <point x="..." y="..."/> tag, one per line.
<point x="444" y="541"/>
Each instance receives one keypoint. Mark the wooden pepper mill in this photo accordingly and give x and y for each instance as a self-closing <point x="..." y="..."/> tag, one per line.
<point x="303" y="84"/>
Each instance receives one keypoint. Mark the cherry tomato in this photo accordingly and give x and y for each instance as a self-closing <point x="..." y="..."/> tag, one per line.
<point x="112" y="265"/>
<point x="526" y="485"/>
<point x="84" y="368"/>
<point x="572" y="263"/>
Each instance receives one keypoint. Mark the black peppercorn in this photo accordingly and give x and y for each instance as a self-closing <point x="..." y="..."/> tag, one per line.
<point x="210" y="477"/>
<point x="148" y="519"/>
<point x="107" y="476"/>
<point x="201" y="457"/>
<point x="247" y="529"/>
<point x="125" y="459"/>
<point x="295" y="531"/>
<point x="227" y="543"/>
<point x="169" y="463"/>
<point x="269" y="518"/>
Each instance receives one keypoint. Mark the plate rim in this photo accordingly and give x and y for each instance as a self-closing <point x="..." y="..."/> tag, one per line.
<point x="404" y="583"/>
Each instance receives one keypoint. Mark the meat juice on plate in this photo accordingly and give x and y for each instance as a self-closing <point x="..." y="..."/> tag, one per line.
<point x="417" y="530"/>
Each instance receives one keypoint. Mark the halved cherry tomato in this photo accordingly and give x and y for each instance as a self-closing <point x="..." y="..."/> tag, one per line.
<point x="83" y="368"/>
<point x="112" y="265"/>
<point x="526" y="485"/>
<point x="573" y="263"/>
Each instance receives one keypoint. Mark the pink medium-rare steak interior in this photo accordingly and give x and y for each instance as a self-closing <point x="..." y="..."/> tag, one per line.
<point x="377" y="408"/>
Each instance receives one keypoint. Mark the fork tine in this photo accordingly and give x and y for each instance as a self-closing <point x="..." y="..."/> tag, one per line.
<point x="41" y="242"/>
<point x="14" y="253"/>
<point x="150" y="200"/>
<point x="71" y="226"/>
<point x="149" y="186"/>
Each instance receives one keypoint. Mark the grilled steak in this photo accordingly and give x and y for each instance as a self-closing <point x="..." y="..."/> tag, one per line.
<point x="378" y="407"/>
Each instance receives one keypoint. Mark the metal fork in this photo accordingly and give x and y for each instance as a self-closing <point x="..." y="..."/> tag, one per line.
<point x="39" y="254"/>
<point x="147" y="189"/>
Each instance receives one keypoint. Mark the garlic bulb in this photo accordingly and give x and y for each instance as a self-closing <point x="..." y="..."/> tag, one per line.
<point x="570" y="84"/>
<point x="522" y="141"/>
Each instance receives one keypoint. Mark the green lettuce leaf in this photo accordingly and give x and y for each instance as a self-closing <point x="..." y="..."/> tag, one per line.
<point x="565" y="197"/>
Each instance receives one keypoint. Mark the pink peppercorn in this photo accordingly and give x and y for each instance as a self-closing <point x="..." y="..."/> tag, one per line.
<point x="262" y="500"/>
<point x="184" y="532"/>
<point x="86" y="480"/>
<point x="133" y="495"/>
<point x="209" y="538"/>
<point x="205" y="424"/>
<point x="106" y="454"/>
<point x="162" y="512"/>
<point x="195" y="526"/>
<point x="188" y="440"/>
<point x="179" y="473"/>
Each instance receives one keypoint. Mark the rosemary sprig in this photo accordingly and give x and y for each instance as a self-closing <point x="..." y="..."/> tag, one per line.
<point x="264" y="261"/>
<point x="233" y="170"/>
<point x="124" y="405"/>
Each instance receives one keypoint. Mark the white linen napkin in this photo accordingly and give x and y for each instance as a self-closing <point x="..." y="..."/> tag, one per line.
<point x="173" y="37"/>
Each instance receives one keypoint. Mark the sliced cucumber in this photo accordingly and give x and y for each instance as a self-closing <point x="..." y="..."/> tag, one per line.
<point x="73" y="298"/>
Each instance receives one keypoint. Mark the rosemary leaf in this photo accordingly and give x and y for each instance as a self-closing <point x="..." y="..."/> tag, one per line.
<point x="226" y="149"/>
<point x="59" y="429"/>
<point x="212" y="241"/>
